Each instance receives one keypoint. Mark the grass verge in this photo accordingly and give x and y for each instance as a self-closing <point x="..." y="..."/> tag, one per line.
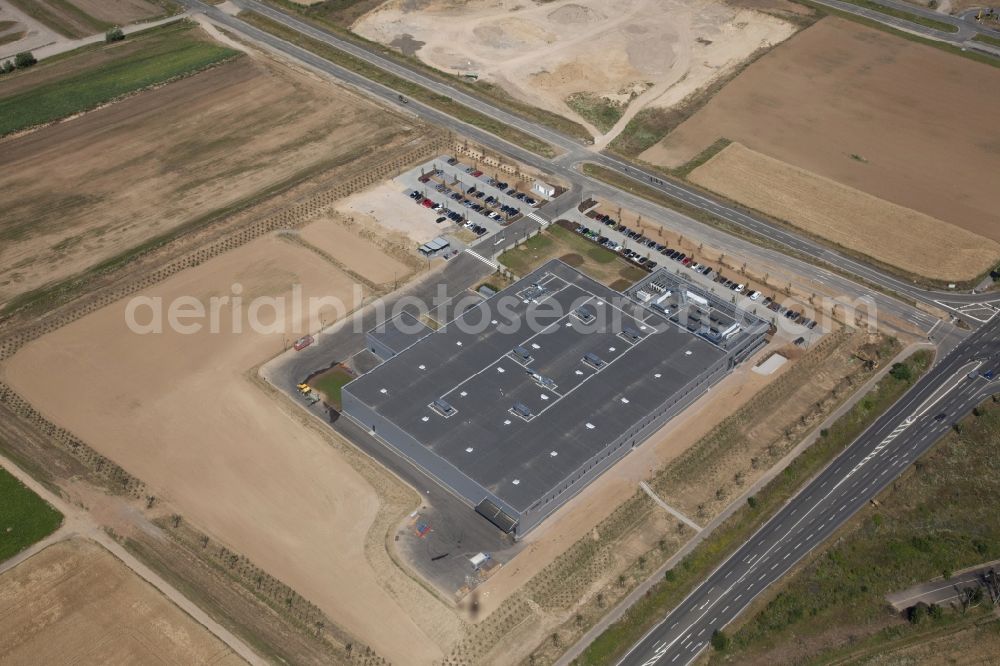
<point x="166" y="53"/>
<point x="337" y="17"/>
<point x="938" y="518"/>
<point x="330" y="383"/>
<point x="601" y="112"/>
<point x="906" y="16"/>
<point x="684" y="577"/>
<point x="412" y="90"/>
<point x="558" y="242"/>
<point x="25" y="518"/>
<point x="987" y="39"/>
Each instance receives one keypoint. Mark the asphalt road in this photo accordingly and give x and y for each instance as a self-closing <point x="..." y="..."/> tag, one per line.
<point x="872" y="462"/>
<point x="940" y="591"/>
<point x="575" y="154"/>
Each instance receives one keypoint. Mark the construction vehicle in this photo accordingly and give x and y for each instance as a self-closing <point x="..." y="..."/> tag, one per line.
<point x="304" y="388"/>
<point x="868" y="354"/>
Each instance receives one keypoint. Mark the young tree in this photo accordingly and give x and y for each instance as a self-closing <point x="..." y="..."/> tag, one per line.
<point x="8" y="66"/>
<point x="115" y="34"/>
<point x="24" y="59"/>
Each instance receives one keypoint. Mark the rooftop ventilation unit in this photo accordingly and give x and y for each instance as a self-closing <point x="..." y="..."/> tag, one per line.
<point x="542" y="381"/>
<point x="533" y="292"/>
<point x="594" y="361"/>
<point x="522" y="410"/>
<point x="442" y="408"/>
<point x="631" y="334"/>
<point x="584" y="315"/>
<point x="523" y="353"/>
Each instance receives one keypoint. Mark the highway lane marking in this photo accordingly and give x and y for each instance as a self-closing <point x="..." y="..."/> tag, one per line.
<point x="786" y="556"/>
<point x="811" y="508"/>
<point x="738" y="597"/>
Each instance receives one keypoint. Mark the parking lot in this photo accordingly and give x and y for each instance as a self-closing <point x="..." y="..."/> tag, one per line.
<point x="650" y="254"/>
<point x="460" y="196"/>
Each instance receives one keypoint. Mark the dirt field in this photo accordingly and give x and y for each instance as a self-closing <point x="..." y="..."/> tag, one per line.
<point x="75" y="602"/>
<point x="899" y="120"/>
<point x="542" y="52"/>
<point x="911" y="241"/>
<point x="181" y="412"/>
<point x="185" y="149"/>
<point x="388" y="207"/>
<point x="120" y="12"/>
<point x="349" y="244"/>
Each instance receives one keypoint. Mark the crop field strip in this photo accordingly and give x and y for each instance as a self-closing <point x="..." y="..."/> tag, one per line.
<point x="167" y="53"/>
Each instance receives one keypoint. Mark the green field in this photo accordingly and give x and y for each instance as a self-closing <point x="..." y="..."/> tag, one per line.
<point x="680" y="580"/>
<point x="24" y="517"/>
<point x="144" y="60"/>
<point x="940" y="517"/>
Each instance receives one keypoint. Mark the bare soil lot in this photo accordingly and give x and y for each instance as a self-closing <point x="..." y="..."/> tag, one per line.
<point x="89" y="188"/>
<point x="652" y="52"/>
<point x="182" y="412"/>
<point x="899" y="120"/>
<point x="911" y="241"/>
<point x="363" y="249"/>
<point x="75" y="602"/>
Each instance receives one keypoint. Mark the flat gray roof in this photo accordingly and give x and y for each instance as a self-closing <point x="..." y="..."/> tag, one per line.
<point x="400" y="332"/>
<point x="569" y="410"/>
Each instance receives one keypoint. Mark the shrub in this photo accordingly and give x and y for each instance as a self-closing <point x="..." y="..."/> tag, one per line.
<point x="7" y="67"/>
<point x="114" y="35"/>
<point x="901" y="371"/>
<point x="720" y="641"/>
<point x="24" y="59"/>
<point x="752" y="502"/>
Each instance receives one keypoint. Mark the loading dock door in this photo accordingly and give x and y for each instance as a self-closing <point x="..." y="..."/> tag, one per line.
<point x="496" y="515"/>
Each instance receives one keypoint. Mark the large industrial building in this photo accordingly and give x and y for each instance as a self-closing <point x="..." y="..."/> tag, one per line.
<point x="521" y="401"/>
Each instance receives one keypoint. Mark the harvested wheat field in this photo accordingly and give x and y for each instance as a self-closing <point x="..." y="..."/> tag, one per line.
<point x="902" y="121"/>
<point x="184" y="150"/>
<point x="893" y="235"/>
<point x="74" y="602"/>
<point x="182" y="412"/>
<point x="653" y="52"/>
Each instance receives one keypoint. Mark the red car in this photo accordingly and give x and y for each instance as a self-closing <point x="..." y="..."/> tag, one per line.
<point x="428" y="203"/>
<point x="477" y="173"/>
<point x="303" y="342"/>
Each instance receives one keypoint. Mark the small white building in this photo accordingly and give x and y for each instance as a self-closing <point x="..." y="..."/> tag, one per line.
<point x="546" y="191"/>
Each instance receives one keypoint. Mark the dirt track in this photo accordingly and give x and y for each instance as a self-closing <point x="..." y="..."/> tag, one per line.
<point x="920" y="123"/>
<point x="185" y="149"/>
<point x="542" y="52"/>
<point x="75" y="602"/>
<point x="180" y="412"/>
